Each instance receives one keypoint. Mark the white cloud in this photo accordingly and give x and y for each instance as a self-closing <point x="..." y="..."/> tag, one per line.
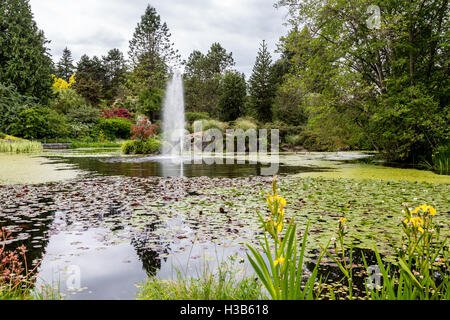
<point x="94" y="27"/>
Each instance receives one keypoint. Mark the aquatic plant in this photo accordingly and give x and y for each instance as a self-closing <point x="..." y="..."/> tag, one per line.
<point x="440" y="160"/>
<point x="283" y="275"/>
<point x="421" y="268"/>
<point x="20" y="146"/>
<point x="423" y="261"/>
<point x="15" y="279"/>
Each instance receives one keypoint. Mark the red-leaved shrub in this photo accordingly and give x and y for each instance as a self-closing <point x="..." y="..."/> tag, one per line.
<point x="116" y="113"/>
<point x="143" y="129"/>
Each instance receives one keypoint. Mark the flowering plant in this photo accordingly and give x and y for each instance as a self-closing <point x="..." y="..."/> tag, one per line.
<point x="283" y="274"/>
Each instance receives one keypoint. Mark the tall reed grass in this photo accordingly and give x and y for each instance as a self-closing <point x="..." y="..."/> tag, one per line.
<point x="20" y="146"/>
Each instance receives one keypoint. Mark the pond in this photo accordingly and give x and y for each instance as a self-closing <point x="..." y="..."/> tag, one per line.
<point x="105" y="222"/>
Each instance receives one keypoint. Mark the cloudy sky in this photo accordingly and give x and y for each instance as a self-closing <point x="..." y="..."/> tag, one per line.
<point x="95" y="26"/>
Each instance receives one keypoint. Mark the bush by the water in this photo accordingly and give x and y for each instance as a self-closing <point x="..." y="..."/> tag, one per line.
<point x="245" y="124"/>
<point x="293" y="140"/>
<point x="209" y="124"/>
<point x="440" y="160"/>
<point x="194" y="116"/>
<point x="116" y="128"/>
<point x="11" y="104"/>
<point x="141" y="147"/>
<point x="40" y="122"/>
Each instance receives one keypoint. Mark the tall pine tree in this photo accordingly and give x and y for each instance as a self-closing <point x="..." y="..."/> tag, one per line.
<point x="151" y="51"/>
<point x="65" y="67"/>
<point x="115" y="69"/>
<point x="261" y="86"/>
<point x="203" y="74"/>
<point x="24" y="60"/>
<point x="233" y="95"/>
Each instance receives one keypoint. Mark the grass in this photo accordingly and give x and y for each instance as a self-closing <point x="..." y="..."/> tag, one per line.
<point x="205" y="288"/>
<point x="19" y="146"/>
<point x="440" y="160"/>
<point x="82" y="144"/>
<point x="245" y="124"/>
<point x="210" y="124"/>
<point x="223" y="283"/>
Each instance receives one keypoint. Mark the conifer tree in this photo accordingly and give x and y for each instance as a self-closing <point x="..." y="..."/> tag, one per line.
<point x="65" y="67"/>
<point x="261" y="86"/>
<point x="233" y="94"/>
<point x="24" y="60"/>
<point x="151" y="51"/>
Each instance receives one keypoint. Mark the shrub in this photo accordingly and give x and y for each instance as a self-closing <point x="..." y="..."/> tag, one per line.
<point x="293" y="140"/>
<point x="40" y="123"/>
<point x="11" y="104"/>
<point x="67" y="100"/>
<point x="440" y="160"/>
<point x="116" y="113"/>
<point x="210" y="124"/>
<point x="194" y="116"/>
<point x="2" y="135"/>
<point x="84" y="114"/>
<point x="114" y="128"/>
<point x="150" y="101"/>
<point x="141" y="147"/>
<point x="245" y="124"/>
<point x="143" y="129"/>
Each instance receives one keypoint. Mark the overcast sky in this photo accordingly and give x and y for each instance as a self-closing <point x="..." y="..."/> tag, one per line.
<point x="93" y="27"/>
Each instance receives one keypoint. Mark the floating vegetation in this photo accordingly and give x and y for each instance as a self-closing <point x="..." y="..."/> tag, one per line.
<point x="162" y="217"/>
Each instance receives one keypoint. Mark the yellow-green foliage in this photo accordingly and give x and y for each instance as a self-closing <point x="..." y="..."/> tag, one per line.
<point x="210" y="124"/>
<point x="245" y="124"/>
<point x="8" y="137"/>
<point x="60" y="84"/>
<point x="20" y="146"/>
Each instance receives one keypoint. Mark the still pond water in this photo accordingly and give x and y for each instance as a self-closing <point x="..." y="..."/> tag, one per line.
<point x="104" y="252"/>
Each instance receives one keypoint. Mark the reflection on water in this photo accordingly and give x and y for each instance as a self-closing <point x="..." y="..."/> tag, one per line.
<point x="107" y="259"/>
<point x="154" y="166"/>
<point x="110" y="252"/>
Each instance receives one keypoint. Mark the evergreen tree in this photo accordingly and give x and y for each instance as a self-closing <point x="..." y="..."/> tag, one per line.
<point x="65" y="67"/>
<point x="203" y="74"/>
<point x="233" y="94"/>
<point x="261" y="86"/>
<point x="114" y="66"/>
<point x="24" y="60"/>
<point x="90" y="79"/>
<point x="151" y="51"/>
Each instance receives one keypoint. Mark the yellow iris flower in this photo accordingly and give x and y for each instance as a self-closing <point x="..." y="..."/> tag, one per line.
<point x="417" y="222"/>
<point x="424" y="208"/>
<point x="280" y="260"/>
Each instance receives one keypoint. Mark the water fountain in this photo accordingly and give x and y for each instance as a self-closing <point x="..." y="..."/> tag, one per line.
<point x="173" y="117"/>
